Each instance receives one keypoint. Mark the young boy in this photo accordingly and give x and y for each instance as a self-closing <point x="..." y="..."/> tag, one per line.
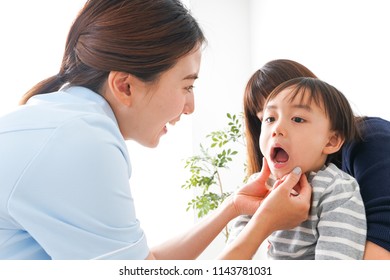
<point x="304" y="122"/>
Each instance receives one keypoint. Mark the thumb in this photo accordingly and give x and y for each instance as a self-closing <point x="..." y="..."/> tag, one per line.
<point x="265" y="171"/>
<point x="305" y="189"/>
<point x="291" y="180"/>
<point x="262" y="178"/>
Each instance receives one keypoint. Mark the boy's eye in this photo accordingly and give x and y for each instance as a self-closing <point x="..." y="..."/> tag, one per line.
<point x="298" y="120"/>
<point x="269" y="119"/>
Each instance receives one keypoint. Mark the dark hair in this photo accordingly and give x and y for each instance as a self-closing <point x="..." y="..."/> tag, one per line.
<point x="335" y="105"/>
<point x="259" y="86"/>
<point x="140" y="37"/>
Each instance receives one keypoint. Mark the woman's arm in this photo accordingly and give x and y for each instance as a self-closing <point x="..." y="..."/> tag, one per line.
<point x="278" y="210"/>
<point x="375" y="252"/>
<point x="369" y="163"/>
<point x="193" y="242"/>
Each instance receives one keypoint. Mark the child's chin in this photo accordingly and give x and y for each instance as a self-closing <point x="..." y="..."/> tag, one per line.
<point x="279" y="174"/>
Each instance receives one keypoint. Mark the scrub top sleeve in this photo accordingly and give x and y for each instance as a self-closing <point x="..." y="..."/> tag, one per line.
<point x="74" y="198"/>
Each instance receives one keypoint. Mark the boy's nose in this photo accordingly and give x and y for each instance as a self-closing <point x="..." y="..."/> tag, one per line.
<point x="279" y="130"/>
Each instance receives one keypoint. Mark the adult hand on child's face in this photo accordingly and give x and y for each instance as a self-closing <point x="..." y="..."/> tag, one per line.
<point x="249" y="197"/>
<point x="288" y="204"/>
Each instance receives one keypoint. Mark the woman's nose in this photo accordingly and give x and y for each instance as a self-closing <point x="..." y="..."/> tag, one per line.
<point x="189" y="106"/>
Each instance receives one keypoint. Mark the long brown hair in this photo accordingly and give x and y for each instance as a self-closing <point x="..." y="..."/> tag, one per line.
<point x="140" y="37"/>
<point x="259" y="86"/>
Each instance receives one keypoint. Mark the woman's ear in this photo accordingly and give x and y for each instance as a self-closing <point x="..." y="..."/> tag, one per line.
<point x="334" y="144"/>
<point x="119" y="85"/>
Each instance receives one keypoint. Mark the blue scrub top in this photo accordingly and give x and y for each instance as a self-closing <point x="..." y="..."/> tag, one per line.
<point x="64" y="181"/>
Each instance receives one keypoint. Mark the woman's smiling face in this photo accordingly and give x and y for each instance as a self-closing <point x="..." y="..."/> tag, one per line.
<point x="144" y="113"/>
<point x="294" y="133"/>
<point x="167" y="100"/>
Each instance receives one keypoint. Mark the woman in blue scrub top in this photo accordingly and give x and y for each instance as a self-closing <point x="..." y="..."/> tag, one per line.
<point x="128" y="70"/>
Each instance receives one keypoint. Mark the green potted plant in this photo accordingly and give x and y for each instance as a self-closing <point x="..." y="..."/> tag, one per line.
<point x="205" y="168"/>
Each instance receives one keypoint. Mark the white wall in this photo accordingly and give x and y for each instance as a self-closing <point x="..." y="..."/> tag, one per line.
<point x="343" y="42"/>
<point x="33" y="35"/>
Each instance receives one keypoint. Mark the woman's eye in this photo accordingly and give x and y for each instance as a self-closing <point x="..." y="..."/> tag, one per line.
<point x="190" y="89"/>
<point x="298" y="120"/>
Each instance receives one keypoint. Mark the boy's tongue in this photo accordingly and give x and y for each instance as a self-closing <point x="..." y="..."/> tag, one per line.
<point x="281" y="156"/>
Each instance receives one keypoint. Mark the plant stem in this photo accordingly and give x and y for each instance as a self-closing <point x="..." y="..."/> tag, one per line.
<point x="221" y="191"/>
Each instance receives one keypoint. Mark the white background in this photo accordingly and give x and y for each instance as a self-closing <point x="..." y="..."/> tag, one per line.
<point x="344" y="42"/>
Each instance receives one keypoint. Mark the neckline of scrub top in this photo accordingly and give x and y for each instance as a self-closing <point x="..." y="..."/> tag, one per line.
<point x="90" y="95"/>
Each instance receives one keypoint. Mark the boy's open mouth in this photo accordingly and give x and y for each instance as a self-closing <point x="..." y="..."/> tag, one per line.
<point x="279" y="155"/>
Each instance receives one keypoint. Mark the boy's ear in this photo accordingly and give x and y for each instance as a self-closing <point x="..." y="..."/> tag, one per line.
<point x="120" y="86"/>
<point x="334" y="144"/>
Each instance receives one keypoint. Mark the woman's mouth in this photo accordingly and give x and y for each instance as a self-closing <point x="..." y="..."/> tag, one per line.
<point x="165" y="130"/>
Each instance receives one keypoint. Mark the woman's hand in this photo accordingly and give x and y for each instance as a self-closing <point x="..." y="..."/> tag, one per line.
<point x="248" y="198"/>
<point x="288" y="204"/>
<point x="284" y="207"/>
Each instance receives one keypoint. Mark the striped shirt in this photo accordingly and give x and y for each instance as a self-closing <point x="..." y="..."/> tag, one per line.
<point x="336" y="227"/>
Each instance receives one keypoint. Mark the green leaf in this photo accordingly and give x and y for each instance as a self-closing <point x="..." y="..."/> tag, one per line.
<point x="204" y="169"/>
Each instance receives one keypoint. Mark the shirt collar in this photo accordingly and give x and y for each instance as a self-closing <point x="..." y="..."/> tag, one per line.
<point x="89" y="95"/>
